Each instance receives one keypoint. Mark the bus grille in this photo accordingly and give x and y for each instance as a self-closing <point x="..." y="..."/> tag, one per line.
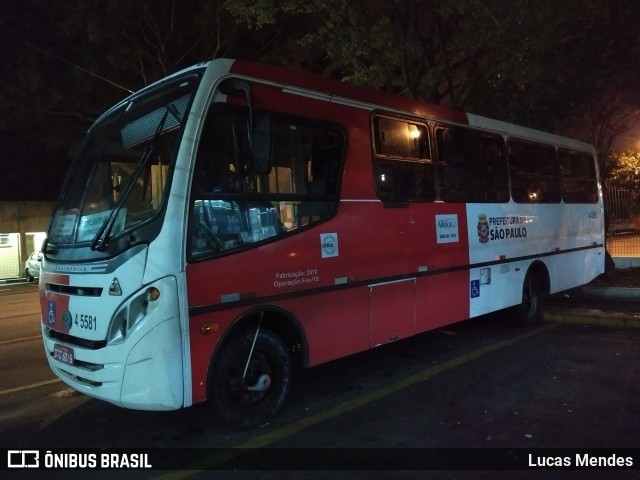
<point x="81" y="342"/>
<point x="71" y="290"/>
<point x="83" y="380"/>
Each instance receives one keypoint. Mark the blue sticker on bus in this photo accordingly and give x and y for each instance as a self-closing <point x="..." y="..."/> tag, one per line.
<point x="51" y="313"/>
<point x="475" y="288"/>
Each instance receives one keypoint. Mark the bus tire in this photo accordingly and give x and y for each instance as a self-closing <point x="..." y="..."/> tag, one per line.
<point x="529" y="312"/>
<point x="255" y="400"/>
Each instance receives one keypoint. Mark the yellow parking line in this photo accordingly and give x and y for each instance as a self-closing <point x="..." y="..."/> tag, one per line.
<point x="279" y="434"/>
<point x="29" y="387"/>
<point x="19" y="340"/>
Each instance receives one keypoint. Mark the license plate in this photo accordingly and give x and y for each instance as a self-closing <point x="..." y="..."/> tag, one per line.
<point x="63" y="354"/>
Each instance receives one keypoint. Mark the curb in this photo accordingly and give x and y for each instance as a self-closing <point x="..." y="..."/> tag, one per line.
<point x="561" y="311"/>
<point x="611" y="293"/>
<point x="592" y="316"/>
<point x="11" y="281"/>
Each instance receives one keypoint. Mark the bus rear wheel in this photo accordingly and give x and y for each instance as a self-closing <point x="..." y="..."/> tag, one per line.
<point x="250" y="379"/>
<point x="529" y="312"/>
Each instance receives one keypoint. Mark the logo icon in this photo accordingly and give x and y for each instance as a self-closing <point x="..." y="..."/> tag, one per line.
<point x="447" y="228"/>
<point x="67" y="320"/>
<point x="329" y="245"/>
<point x="23" y="459"/>
<point x="483" y="228"/>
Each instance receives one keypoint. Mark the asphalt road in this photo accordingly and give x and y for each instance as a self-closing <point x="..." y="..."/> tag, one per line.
<point x="480" y="384"/>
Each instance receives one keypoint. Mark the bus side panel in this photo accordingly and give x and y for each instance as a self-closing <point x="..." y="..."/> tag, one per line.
<point x="442" y="299"/>
<point x="582" y="226"/>
<point x="295" y="273"/>
<point x="562" y="236"/>
<point x="369" y="244"/>
<point x="205" y="331"/>
<point x="440" y="248"/>
<point x="377" y="250"/>
<point x="336" y="324"/>
<point x="505" y="233"/>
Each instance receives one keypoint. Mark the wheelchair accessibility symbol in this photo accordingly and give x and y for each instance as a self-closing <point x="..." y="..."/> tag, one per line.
<point x="475" y="288"/>
<point x="51" y="313"/>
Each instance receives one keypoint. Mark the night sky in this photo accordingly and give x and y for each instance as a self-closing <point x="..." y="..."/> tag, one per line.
<point x="44" y="70"/>
<point x="29" y="174"/>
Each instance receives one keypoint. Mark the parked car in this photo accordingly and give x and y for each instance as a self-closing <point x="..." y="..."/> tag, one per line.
<point x="32" y="266"/>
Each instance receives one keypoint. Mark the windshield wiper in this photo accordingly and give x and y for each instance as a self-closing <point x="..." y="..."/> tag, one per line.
<point x="102" y="237"/>
<point x="103" y="234"/>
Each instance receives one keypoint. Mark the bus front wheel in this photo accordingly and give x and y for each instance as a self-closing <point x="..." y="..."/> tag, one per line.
<point x="529" y="312"/>
<point x="250" y="379"/>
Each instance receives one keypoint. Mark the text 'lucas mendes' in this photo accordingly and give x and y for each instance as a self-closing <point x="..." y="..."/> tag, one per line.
<point x="580" y="460"/>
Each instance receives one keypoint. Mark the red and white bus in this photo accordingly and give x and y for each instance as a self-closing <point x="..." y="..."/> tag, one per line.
<point x="235" y="220"/>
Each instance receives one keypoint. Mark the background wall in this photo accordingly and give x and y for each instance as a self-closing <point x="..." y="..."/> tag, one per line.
<point x="22" y="227"/>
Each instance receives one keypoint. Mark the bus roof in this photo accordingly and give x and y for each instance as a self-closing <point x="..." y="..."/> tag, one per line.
<point x="372" y="99"/>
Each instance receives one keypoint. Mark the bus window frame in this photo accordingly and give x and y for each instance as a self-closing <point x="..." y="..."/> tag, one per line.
<point x="252" y="199"/>
<point x="404" y="167"/>
<point x="591" y="180"/>
<point x="442" y="163"/>
<point x="535" y="193"/>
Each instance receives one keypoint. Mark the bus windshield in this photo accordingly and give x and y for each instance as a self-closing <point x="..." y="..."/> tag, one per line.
<point x="120" y="179"/>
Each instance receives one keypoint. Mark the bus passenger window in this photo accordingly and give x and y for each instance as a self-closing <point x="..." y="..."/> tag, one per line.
<point x="472" y="166"/>
<point x="402" y="164"/>
<point x="401" y="139"/>
<point x="578" y="173"/>
<point x="402" y="181"/>
<point x="533" y="172"/>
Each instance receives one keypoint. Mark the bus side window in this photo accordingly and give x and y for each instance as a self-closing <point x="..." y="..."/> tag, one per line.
<point x="578" y="174"/>
<point x="306" y="170"/>
<point x="471" y="165"/>
<point x="216" y="168"/>
<point x="533" y="172"/>
<point x="321" y="182"/>
<point x="234" y="207"/>
<point x="402" y="165"/>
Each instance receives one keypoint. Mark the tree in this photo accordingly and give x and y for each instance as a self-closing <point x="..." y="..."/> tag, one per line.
<point x="601" y="72"/>
<point x="426" y="49"/>
<point x="66" y="61"/>
<point x="625" y="171"/>
<point x="568" y="67"/>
